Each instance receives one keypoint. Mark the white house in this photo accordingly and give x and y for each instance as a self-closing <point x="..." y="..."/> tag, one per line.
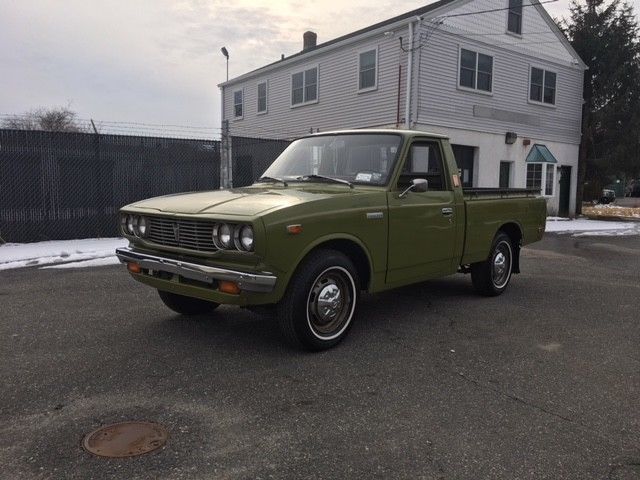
<point x="497" y="76"/>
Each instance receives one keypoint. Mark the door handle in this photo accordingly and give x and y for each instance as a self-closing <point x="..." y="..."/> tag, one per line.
<point x="447" y="211"/>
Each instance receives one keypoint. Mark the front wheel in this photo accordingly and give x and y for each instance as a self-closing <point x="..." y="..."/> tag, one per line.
<point x="317" y="310"/>
<point x="491" y="277"/>
<point x="186" y="305"/>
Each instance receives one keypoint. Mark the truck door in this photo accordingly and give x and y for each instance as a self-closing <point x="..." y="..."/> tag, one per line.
<point x="421" y="224"/>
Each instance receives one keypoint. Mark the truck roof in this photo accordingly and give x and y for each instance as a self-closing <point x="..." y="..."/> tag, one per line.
<point x="395" y="131"/>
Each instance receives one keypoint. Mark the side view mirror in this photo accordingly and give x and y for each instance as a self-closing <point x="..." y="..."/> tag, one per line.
<point x="419" y="185"/>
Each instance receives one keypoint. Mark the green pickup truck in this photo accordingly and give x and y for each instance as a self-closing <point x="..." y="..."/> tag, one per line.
<point x="336" y="214"/>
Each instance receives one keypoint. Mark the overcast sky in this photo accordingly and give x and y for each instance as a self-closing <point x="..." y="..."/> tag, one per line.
<point x="159" y="61"/>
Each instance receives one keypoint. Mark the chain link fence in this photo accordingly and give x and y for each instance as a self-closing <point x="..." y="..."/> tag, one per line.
<point x="62" y="185"/>
<point x="252" y="156"/>
<point x="59" y="185"/>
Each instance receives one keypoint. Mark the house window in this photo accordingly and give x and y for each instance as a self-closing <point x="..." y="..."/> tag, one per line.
<point x="367" y="70"/>
<point x="550" y="176"/>
<point x="238" y="99"/>
<point x="542" y="86"/>
<point x="476" y="70"/>
<point x="262" y="97"/>
<point x="514" y="20"/>
<point x="505" y="175"/>
<point x="304" y="87"/>
<point x="541" y="176"/>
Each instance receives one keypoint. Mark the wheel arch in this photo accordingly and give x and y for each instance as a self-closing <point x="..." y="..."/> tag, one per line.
<point x="352" y="247"/>
<point x="514" y="231"/>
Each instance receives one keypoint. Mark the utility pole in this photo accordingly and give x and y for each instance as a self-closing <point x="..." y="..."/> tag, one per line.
<point x="225" y="156"/>
<point x="226" y="161"/>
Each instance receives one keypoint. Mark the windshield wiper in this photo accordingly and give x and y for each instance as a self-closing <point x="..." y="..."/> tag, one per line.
<point x="272" y="179"/>
<point x="324" y="177"/>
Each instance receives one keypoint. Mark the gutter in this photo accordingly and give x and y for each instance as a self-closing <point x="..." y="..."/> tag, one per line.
<point x="407" y="104"/>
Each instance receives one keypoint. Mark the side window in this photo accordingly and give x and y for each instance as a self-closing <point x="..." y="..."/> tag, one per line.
<point x="423" y="161"/>
<point x="542" y="86"/>
<point x="367" y="70"/>
<point x="304" y="87"/>
<point x="476" y="71"/>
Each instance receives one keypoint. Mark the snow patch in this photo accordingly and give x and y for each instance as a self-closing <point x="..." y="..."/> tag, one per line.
<point x="18" y="255"/>
<point x="96" y="262"/>
<point x="584" y="227"/>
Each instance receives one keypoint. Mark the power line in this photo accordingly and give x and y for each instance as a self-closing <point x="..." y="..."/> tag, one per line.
<point x="532" y="4"/>
<point x="468" y="34"/>
<point x="502" y="33"/>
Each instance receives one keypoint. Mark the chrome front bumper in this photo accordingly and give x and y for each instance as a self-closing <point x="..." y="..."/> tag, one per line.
<point x="251" y="282"/>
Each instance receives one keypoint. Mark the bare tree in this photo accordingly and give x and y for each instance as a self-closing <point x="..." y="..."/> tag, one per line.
<point x="56" y="119"/>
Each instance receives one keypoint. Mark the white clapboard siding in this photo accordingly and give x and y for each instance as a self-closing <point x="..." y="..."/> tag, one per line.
<point x="441" y="102"/>
<point x="339" y="106"/>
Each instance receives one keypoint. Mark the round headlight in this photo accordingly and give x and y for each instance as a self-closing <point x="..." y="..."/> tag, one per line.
<point x="246" y="238"/>
<point x="222" y="237"/>
<point x="142" y="226"/>
<point x="131" y="224"/>
<point x="224" y="234"/>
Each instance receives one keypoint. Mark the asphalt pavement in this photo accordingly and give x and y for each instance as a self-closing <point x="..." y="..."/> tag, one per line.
<point x="433" y="382"/>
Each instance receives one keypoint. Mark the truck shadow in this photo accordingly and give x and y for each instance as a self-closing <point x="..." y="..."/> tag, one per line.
<point x="233" y="329"/>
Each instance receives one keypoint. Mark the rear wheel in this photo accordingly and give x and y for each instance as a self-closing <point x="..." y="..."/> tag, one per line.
<point x="186" y="305"/>
<point x="317" y="310"/>
<point x="491" y="277"/>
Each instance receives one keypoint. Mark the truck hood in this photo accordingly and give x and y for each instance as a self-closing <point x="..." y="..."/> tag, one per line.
<point x="248" y="201"/>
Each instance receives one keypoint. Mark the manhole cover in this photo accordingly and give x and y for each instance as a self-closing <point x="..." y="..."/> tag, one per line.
<point x="126" y="439"/>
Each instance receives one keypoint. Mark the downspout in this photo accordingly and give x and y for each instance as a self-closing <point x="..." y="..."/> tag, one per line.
<point x="407" y="106"/>
<point x="398" y="100"/>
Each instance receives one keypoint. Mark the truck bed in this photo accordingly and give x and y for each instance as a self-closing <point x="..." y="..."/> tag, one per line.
<point x="487" y="210"/>
<point x="471" y="193"/>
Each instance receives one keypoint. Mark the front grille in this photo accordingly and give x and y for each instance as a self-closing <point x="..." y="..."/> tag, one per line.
<point x="194" y="235"/>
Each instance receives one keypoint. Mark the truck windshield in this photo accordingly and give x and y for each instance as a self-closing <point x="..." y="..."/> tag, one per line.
<point x="355" y="158"/>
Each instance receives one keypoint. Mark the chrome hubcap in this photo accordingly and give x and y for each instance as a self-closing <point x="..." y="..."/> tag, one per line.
<point x="501" y="268"/>
<point x="330" y="303"/>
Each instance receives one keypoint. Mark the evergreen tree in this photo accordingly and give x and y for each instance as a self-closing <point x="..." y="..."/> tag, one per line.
<point x="605" y="35"/>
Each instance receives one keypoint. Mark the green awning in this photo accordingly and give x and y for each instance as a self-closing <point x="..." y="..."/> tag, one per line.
<point x="540" y="154"/>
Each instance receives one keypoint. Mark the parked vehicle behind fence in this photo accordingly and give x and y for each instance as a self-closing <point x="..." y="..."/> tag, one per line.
<point x="607" y="196"/>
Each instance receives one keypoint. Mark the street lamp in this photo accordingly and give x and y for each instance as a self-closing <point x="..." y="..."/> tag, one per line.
<point x="225" y="52"/>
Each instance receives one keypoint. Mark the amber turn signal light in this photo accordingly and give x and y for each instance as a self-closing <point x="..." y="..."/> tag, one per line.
<point x="294" y="229"/>
<point x="134" y="267"/>
<point x="231" y="288"/>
